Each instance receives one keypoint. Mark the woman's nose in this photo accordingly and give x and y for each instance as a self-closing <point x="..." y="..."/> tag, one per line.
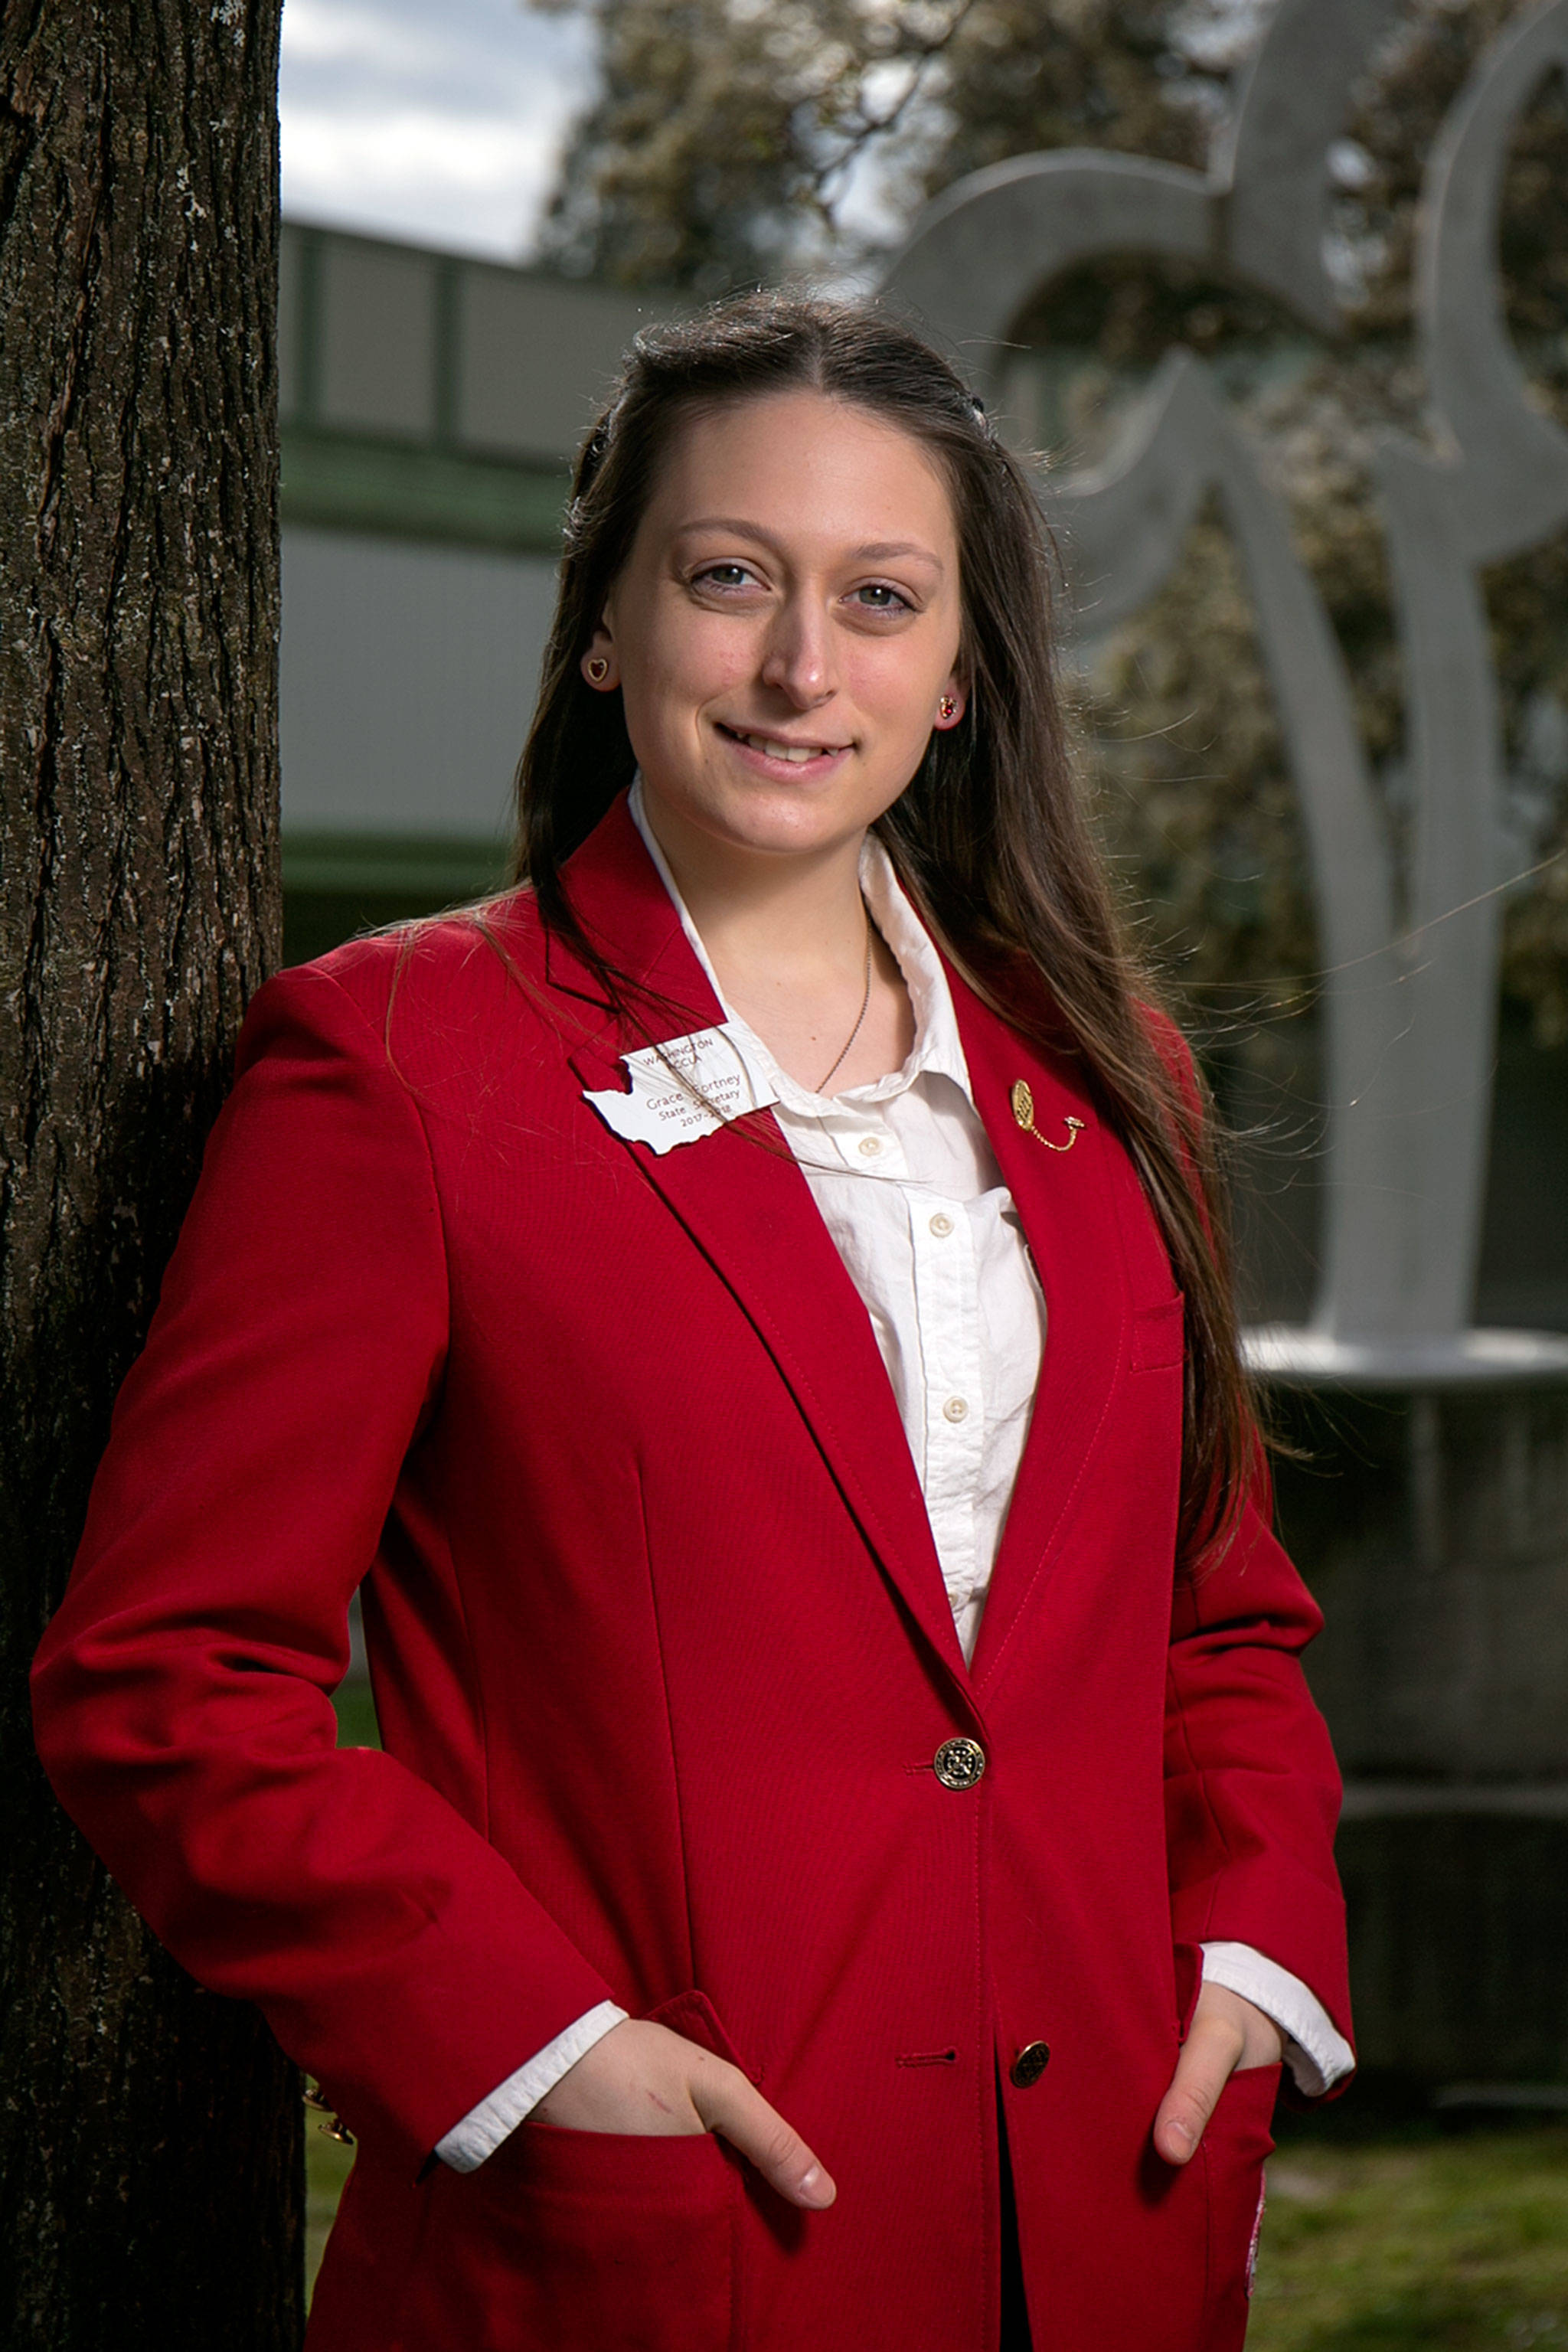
<point x="798" y="660"/>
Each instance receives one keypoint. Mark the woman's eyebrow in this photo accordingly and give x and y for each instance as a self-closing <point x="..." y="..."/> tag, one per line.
<point x="891" y="551"/>
<point x="881" y="550"/>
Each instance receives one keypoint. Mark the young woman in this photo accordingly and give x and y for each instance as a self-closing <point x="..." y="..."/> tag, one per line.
<point x="853" y="1841"/>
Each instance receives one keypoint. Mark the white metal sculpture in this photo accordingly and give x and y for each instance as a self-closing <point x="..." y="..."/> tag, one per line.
<point x="1410" y="974"/>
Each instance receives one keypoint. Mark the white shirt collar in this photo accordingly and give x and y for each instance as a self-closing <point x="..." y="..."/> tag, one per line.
<point x="937" y="1048"/>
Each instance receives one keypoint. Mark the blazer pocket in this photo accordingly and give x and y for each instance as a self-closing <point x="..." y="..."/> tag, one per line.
<point x="573" y="2241"/>
<point x="1159" y="1335"/>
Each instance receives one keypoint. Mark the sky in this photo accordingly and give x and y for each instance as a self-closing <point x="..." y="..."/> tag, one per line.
<point x="435" y="121"/>
<point x="442" y="122"/>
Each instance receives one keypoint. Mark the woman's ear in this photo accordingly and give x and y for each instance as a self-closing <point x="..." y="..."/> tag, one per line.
<point x="598" y="665"/>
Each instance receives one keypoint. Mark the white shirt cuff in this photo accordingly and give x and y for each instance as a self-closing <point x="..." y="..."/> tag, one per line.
<point x="1317" y="2055"/>
<point x="483" y="2128"/>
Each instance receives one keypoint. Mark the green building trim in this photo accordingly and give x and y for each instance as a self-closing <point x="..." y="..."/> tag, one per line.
<point x="364" y="482"/>
<point x="393" y="866"/>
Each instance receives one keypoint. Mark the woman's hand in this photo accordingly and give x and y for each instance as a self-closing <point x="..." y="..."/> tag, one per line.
<point x="1227" y="2035"/>
<point x="644" y="2080"/>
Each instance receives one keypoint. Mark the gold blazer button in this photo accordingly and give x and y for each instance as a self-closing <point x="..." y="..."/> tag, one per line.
<point x="1029" y="2065"/>
<point x="960" y="1763"/>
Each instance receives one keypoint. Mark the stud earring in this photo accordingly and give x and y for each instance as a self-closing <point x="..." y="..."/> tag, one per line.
<point x="598" y="669"/>
<point x="947" y="707"/>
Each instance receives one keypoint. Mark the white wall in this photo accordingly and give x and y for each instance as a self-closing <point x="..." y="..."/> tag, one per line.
<point x="408" y="677"/>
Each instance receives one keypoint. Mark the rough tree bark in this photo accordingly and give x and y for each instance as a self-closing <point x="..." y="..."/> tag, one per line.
<point x="150" y="2142"/>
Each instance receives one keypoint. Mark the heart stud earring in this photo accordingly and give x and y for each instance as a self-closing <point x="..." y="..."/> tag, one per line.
<point x="947" y="709"/>
<point x="598" y="669"/>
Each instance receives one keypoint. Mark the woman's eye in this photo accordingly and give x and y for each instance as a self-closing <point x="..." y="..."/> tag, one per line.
<point x="725" y="575"/>
<point x="877" y="598"/>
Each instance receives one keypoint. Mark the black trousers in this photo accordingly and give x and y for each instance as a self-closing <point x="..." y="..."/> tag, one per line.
<point x="1015" y="2311"/>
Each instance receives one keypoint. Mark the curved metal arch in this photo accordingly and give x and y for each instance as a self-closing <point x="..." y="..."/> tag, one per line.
<point x="1273" y="167"/>
<point x="1126" y="525"/>
<point x="1498" y="485"/>
<point x="1510" y="488"/>
<point x="1411" y="1017"/>
<point x="990" y="244"/>
<point x="982" y="251"/>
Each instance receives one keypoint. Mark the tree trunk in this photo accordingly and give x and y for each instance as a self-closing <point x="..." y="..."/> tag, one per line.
<point x="151" y="2182"/>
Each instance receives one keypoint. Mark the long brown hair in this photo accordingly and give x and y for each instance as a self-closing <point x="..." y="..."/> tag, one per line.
<point x="990" y="836"/>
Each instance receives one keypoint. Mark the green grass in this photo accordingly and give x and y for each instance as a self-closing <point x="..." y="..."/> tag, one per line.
<point x="328" y="2164"/>
<point x="1459" y="2245"/>
<point x="356" y="1716"/>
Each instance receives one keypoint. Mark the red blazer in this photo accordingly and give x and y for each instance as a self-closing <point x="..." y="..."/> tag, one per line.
<point x="663" y="1659"/>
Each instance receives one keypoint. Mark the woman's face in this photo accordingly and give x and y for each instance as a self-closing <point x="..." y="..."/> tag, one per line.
<point x="786" y="626"/>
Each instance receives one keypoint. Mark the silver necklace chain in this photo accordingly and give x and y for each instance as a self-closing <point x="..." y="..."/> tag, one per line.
<point x="859" y="1017"/>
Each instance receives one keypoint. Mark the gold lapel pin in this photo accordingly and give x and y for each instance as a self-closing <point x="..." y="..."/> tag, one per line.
<point x="1023" y="1112"/>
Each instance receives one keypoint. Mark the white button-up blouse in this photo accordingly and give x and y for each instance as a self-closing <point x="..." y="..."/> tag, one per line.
<point x="909" y="1189"/>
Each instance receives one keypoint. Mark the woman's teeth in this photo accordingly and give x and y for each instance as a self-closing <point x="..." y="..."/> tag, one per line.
<point x="796" y="752"/>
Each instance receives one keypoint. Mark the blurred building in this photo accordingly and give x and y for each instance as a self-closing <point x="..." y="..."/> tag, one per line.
<point x="431" y="407"/>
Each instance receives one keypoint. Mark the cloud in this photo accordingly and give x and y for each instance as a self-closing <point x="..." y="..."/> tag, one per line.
<point x="440" y="123"/>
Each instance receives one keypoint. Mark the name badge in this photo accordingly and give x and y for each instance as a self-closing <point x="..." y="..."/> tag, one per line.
<point x="691" y="1086"/>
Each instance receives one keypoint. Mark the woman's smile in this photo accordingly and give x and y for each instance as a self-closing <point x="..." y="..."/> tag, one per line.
<point x="768" y="752"/>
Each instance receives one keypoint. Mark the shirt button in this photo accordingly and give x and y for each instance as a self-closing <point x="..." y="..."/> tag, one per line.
<point x="942" y="1224"/>
<point x="959" y="1763"/>
<point x="955" y="1409"/>
<point x="870" y="1145"/>
<point x="1028" y="2065"/>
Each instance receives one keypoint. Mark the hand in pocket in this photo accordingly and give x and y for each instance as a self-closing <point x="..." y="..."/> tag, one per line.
<point x="1227" y="2035"/>
<point x="643" y="2081"/>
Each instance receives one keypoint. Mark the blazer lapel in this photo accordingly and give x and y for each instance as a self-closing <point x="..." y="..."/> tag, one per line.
<point x="1066" y="1201"/>
<point x="744" y="1203"/>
